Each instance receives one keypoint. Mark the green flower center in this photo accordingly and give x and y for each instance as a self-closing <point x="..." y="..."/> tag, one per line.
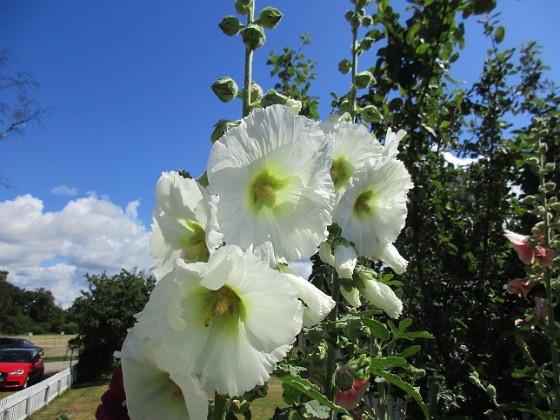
<point x="264" y="189"/>
<point x="362" y="205"/>
<point x="194" y="243"/>
<point x="224" y="309"/>
<point x="341" y="171"/>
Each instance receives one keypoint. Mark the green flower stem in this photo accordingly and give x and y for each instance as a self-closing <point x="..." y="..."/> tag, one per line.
<point x="551" y="327"/>
<point x="219" y="407"/>
<point x="248" y="66"/>
<point x="331" y="340"/>
<point x="355" y="48"/>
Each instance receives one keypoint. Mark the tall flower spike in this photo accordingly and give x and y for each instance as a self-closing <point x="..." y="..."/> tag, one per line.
<point x="234" y="318"/>
<point x="158" y="384"/>
<point x="184" y="221"/>
<point x="373" y="210"/>
<point x="272" y="176"/>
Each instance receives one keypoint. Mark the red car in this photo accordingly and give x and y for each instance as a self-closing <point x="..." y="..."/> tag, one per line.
<point x="20" y="367"/>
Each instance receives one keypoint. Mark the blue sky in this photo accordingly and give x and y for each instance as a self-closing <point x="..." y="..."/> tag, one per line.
<point x="128" y="88"/>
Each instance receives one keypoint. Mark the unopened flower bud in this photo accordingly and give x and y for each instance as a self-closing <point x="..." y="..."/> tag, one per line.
<point x="363" y="79"/>
<point x="356" y="20"/>
<point x="366" y="43"/>
<point x="230" y="25"/>
<point x="348" y="15"/>
<point x="362" y="3"/>
<point x="325" y="253"/>
<point x="269" y="17"/>
<point x="220" y="129"/>
<point x="371" y="114"/>
<point x="367" y="21"/>
<point x="555" y="207"/>
<point x="243" y="7"/>
<point x="256" y="93"/>
<point x="225" y="89"/>
<point x="345" y="259"/>
<point x="543" y="148"/>
<point x="272" y="97"/>
<point x="549" y="186"/>
<point x="491" y="391"/>
<point x="294" y="105"/>
<point x="253" y="37"/>
<point x="344" y="66"/>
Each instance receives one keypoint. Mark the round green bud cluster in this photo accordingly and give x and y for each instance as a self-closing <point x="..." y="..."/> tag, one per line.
<point x="225" y="89"/>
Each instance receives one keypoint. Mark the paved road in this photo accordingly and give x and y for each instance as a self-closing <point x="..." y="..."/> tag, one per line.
<point x="58" y="366"/>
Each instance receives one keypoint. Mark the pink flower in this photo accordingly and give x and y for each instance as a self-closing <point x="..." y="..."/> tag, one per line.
<point x="522" y="246"/>
<point x="519" y="287"/>
<point x="545" y="255"/>
<point x="351" y="398"/>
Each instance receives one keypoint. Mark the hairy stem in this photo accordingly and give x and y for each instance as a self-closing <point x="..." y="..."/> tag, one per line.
<point x="248" y="66"/>
<point x="551" y="327"/>
<point x="331" y="335"/>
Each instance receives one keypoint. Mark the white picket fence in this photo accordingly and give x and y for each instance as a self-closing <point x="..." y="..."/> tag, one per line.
<point x="20" y="405"/>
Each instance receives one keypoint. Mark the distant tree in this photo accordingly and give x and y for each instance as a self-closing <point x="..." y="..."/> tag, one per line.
<point x="103" y="314"/>
<point x="17" y="108"/>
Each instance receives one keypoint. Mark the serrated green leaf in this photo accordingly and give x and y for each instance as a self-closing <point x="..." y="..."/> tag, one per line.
<point x="386" y="362"/>
<point x="377" y="329"/>
<point x="310" y="390"/>
<point x="414" y="334"/>
<point x="316" y="410"/>
<point x="409" y="351"/>
<point x="406" y="387"/>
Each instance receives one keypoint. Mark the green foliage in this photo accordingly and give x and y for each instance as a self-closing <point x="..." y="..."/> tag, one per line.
<point x="24" y="311"/>
<point x="103" y="315"/>
<point x="296" y="75"/>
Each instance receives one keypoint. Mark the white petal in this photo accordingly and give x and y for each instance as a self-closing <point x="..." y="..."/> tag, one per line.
<point x="158" y="384"/>
<point x="345" y="259"/>
<point x="292" y="150"/>
<point x="325" y="253"/>
<point x="384" y="183"/>
<point x="390" y="256"/>
<point x="351" y="296"/>
<point x="239" y="353"/>
<point x="383" y="297"/>
<point x="317" y="304"/>
<point x="392" y="140"/>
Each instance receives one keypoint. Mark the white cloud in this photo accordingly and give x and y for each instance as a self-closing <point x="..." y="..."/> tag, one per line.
<point x="458" y="162"/>
<point x="55" y="249"/>
<point x="65" y="190"/>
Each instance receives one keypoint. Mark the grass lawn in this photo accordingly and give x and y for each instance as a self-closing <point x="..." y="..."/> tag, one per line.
<point x="80" y="403"/>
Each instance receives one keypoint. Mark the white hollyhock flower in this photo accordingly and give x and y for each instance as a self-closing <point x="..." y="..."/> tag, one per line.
<point x="383" y="297"/>
<point x="392" y="140"/>
<point x="353" y="145"/>
<point x="272" y="176"/>
<point x="345" y="259"/>
<point x="184" y="221"/>
<point x="317" y="304"/>
<point x="157" y="383"/>
<point x="391" y="256"/>
<point x="373" y="210"/>
<point x="233" y="317"/>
